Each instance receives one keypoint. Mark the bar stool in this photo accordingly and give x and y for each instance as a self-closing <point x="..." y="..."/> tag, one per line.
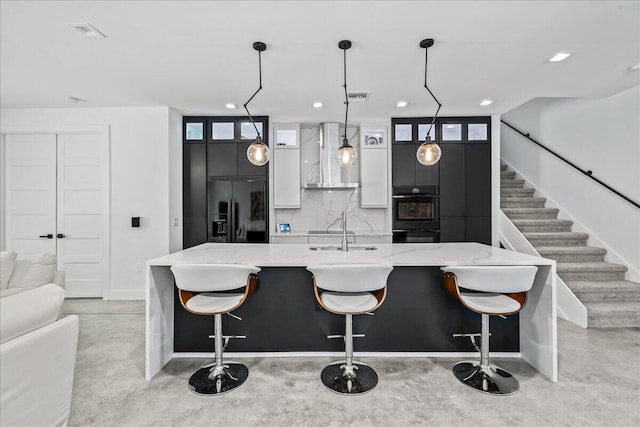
<point x="501" y="290"/>
<point x="205" y="290"/>
<point x="350" y="289"/>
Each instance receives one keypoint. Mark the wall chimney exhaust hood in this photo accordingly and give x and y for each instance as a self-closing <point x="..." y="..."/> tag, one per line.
<point x="331" y="175"/>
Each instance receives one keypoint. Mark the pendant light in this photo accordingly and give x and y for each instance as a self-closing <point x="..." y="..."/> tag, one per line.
<point x="429" y="152"/>
<point x="258" y="152"/>
<point x="347" y="155"/>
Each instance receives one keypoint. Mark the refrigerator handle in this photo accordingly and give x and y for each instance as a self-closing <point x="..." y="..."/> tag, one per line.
<point x="231" y="222"/>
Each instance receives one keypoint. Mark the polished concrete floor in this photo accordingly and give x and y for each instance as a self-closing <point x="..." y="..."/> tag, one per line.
<point x="598" y="385"/>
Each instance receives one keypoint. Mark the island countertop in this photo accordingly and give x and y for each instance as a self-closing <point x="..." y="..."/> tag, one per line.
<point x="300" y="255"/>
<point x="415" y="296"/>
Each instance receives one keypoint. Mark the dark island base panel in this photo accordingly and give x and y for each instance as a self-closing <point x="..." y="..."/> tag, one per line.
<point x="283" y="315"/>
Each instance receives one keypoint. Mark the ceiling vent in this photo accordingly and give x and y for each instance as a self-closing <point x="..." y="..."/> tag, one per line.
<point x="87" y="30"/>
<point x="358" y="96"/>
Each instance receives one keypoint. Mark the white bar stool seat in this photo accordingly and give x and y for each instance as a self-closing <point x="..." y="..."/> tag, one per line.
<point x="349" y="289"/>
<point x="205" y="290"/>
<point x="500" y="290"/>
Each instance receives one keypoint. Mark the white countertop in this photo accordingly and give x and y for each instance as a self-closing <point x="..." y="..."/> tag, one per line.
<point x="333" y="233"/>
<point x="296" y="255"/>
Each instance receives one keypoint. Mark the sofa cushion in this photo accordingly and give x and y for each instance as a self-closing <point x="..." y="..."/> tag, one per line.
<point x="26" y="311"/>
<point x="34" y="270"/>
<point x="7" y="265"/>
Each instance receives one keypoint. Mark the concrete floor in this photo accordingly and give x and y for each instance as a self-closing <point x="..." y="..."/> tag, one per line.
<point x="598" y="385"/>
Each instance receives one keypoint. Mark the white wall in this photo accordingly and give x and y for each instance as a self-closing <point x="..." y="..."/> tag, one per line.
<point x="175" y="180"/>
<point x="139" y="157"/>
<point x="602" y="135"/>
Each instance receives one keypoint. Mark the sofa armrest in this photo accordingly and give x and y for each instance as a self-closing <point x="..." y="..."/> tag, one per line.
<point x="37" y="375"/>
<point x="58" y="278"/>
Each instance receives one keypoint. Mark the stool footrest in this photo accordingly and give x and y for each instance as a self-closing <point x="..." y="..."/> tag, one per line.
<point x="342" y="336"/>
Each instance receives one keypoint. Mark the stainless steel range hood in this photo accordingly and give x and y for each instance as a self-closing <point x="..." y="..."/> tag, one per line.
<point x="331" y="175"/>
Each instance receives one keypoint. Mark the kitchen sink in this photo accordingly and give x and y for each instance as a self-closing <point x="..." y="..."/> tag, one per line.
<point x="337" y="248"/>
<point x="328" y="232"/>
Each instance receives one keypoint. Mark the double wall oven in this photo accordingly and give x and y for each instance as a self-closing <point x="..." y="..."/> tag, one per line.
<point x="416" y="214"/>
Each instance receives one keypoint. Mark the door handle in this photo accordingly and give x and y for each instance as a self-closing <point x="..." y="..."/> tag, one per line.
<point x="60" y="236"/>
<point x="46" y="236"/>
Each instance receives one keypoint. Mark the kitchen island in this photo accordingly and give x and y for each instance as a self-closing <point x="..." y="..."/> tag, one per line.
<point x="416" y="319"/>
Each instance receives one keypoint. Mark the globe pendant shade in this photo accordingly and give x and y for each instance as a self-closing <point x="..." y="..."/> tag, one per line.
<point x="258" y="153"/>
<point x="428" y="153"/>
<point x="347" y="156"/>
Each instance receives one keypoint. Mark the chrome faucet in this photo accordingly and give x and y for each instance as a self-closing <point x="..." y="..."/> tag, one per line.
<point x="345" y="245"/>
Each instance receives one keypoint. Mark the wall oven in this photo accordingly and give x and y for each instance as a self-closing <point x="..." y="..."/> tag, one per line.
<point x="416" y="214"/>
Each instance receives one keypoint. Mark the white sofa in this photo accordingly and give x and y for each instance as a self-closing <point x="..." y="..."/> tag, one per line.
<point x="27" y="271"/>
<point x="37" y="356"/>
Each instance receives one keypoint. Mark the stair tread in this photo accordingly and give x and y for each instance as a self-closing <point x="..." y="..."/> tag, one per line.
<point x="562" y="267"/>
<point x="555" y="235"/>
<point x="533" y="210"/>
<point x="619" y="306"/>
<point x="523" y="199"/>
<point x="578" y="250"/>
<point x="598" y="285"/>
<point x="542" y="222"/>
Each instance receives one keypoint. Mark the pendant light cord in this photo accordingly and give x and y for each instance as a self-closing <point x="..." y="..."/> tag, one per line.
<point x="255" y="93"/>
<point x="426" y="62"/>
<point x="346" y="95"/>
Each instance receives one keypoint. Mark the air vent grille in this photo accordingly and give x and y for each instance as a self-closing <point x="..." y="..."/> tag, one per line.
<point x="358" y="96"/>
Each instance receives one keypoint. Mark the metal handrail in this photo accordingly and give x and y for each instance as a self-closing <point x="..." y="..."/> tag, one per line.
<point x="587" y="173"/>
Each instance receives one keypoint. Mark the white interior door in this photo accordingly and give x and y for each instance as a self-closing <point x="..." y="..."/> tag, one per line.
<point x="80" y="214"/>
<point x="55" y="202"/>
<point x="30" y="221"/>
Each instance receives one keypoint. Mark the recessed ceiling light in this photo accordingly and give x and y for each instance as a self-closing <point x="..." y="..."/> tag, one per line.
<point x="486" y="102"/>
<point x="401" y="104"/>
<point x="317" y="104"/>
<point x="87" y="30"/>
<point x="635" y="67"/>
<point x="560" y="56"/>
<point x="230" y="105"/>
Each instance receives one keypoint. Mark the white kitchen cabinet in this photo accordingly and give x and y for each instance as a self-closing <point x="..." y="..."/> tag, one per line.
<point x="286" y="165"/>
<point x="302" y="240"/>
<point x="374" y="176"/>
<point x="368" y="240"/>
<point x="333" y="239"/>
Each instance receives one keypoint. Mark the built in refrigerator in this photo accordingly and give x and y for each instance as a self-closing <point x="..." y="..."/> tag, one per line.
<point x="236" y="210"/>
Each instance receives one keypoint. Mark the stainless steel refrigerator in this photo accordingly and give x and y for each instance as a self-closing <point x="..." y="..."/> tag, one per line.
<point x="237" y="210"/>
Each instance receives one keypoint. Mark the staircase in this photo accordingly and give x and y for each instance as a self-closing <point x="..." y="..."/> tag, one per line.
<point x="611" y="301"/>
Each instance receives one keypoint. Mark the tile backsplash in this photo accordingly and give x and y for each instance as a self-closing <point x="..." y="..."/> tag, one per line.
<point x="322" y="209"/>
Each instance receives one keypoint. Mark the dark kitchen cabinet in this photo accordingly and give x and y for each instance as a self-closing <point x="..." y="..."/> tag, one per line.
<point x="403" y="157"/>
<point x="407" y="171"/>
<point x="244" y="166"/>
<point x="478" y="229"/>
<point x="452" y="180"/>
<point x="216" y="147"/>
<point x="452" y="229"/>
<point x="194" y="190"/>
<point x="478" y="179"/>
<point x="426" y="175"/>
<point x="222" y="159"/>
<point x="463" y="172"/>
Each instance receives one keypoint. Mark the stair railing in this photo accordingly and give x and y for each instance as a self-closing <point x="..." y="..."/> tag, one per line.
<point x="587" y="173"/>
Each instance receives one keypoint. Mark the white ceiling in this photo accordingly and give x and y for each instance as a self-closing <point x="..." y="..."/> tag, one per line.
<point x="196" y="56"/>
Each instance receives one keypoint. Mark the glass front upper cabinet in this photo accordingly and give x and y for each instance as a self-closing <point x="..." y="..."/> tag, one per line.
<point x="194" y="131"/>
<point x="423" y="129"/>
<point x="403" y="132"/>
<point x="247" y="131"/>
<point x="477" y="132"/>
<point x="222" y="131"/>
<point x="451" y="132"/>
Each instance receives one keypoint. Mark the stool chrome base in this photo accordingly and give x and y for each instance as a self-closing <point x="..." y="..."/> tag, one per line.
<point x="488" y="379"/>
<point x="361" y="380"/>
<point x="230" y="377"/>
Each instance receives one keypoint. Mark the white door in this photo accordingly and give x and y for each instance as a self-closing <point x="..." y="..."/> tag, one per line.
<point x="80" y="214"/>
<point x="55" y="203"/>
<point x="30" y="222"/>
